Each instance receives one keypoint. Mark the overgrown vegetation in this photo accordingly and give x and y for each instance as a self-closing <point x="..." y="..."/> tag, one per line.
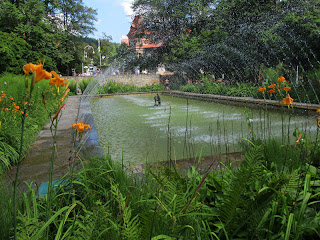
<point x="274" y="193"/>
<point x="54" y="31"/>
<point x="11" y="106"/>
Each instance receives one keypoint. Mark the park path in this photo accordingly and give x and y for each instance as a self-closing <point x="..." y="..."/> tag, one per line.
<point x="35" y="167"/>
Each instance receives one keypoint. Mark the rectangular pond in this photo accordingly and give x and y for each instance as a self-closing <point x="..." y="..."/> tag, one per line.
<point x="131" y="128"/>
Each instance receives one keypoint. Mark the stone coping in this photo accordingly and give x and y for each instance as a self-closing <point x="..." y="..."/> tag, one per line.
<point x="304" y="106"/>
<point x="226" y="99"/>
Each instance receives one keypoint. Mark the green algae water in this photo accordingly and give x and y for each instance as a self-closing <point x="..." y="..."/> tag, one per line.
<point x="132" y="129"/>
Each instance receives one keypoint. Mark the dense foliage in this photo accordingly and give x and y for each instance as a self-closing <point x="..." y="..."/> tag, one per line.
<point x="112" y="87"/>
<point x="274" y="193"/>
<point x="52" y="31"/>
<point x="11" y="100"/>
<point x="237" y="40"/>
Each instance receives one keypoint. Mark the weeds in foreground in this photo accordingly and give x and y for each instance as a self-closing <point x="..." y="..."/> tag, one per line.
<point x="261" y="199"/>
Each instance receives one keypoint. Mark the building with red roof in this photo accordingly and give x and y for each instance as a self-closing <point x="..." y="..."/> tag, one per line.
<point x="139" y="38"/>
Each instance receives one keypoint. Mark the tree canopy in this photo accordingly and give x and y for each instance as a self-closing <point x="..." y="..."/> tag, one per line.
<point x="51" y="30"/>
<point x="234" y="38"/>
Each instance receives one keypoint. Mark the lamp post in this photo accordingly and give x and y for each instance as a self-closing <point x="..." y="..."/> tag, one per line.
<point x="99" y="51"/>
<point x="85" y="54"/>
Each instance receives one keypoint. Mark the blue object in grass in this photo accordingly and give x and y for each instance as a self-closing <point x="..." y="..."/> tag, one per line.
<point x="43" y="189"/>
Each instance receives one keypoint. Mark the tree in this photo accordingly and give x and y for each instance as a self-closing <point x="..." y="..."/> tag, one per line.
<point x="126" y="58"/>
<point x="108" y="49"/>
<point x="234" y="38"/>
<point x="9" y="16"/>
<point x="52" y="28"/>
<point x="167" y="19"/>
<point x="71" y="19"/>
<point x="13" y="56"/>
<point x="72" y="16"/>
<point x="172" y="22"/>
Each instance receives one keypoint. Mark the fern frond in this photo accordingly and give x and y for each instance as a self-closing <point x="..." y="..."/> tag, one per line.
<point x="237" y="199"/>
<point x="130" y="226"/>
<point x="146" y="220"/>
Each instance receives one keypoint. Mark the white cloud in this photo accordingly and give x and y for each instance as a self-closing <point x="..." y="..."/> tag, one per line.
<point x="126" y="4"/>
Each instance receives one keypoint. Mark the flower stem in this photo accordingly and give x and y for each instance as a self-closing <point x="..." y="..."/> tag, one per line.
<point x="17" y="175"/>
<point x="50" y="187"/>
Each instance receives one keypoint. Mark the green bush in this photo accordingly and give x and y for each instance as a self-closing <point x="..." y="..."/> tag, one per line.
<point x="73" y="86"/>
<point x="151" y="88"/>
<point x="14" y="56"/>
<point x="84" y="83"/>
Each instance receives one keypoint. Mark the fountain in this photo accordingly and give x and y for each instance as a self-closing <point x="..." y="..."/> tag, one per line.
<point x="132" y="129"/>
<point x="130" y="125"/>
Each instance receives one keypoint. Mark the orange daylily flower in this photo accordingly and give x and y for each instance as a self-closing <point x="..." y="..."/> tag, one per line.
<point x="318" y="110"/>
<point x="29" y="67"/>
<point x="262" y="89"/>
<point x="271" y="91"/>
<point x="4" y="95"/>
<point x="286" y="89"/>
<point x="11" y="98"/>
<point x="272" y="85"/>
<point x="281" y="79"/>
<point x="59" y="82"/>
<point x="288" y="101"/>
<point x="7" y="109"/>
<point x="40" y="73"/>
<point x="17" y="107"/>
<point x="80" y="127"/>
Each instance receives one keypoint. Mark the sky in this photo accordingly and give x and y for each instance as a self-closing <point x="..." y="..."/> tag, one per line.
<point x="114" y="18"/>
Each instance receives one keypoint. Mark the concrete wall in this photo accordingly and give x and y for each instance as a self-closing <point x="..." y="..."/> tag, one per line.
<point x="77" y="78"/>
<point x="139" y="80"/>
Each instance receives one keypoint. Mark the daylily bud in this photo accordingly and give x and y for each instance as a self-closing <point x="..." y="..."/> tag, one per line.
<point x="57" y="113"/>
<point x="65" y="94"/>
<point x="44" y="99"/>
<point x="33" y="81"/>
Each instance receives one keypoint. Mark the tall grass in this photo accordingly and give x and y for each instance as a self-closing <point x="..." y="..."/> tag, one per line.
<point x="261" y="199"/>
<point x="6" y="212"/>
